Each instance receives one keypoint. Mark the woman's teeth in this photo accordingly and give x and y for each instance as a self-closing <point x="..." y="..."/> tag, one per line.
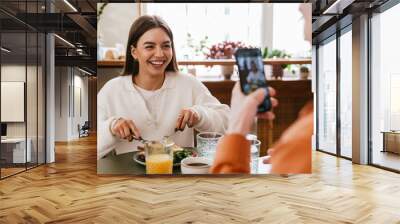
<point x="156" y="62"/>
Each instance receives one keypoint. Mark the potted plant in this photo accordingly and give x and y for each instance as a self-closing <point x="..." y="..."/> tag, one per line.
<point x="225" y="50"/>
<point x="195" y="48"/>
<point x="304" y="72"/>
<point x="277" y="69"/>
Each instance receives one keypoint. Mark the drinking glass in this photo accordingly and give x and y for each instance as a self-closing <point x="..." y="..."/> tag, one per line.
<point x="159" y="158"/>
<point x="255" y="155"/>
<point x="207" y="144"/>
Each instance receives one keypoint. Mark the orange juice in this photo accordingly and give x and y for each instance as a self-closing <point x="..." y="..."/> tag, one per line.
<point x="159" y="164"/>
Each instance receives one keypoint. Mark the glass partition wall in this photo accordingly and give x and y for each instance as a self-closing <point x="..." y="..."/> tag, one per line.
<point x="345" y="92"/>
<point x="334" y="94"/>
<point x="22" y="91"/>
<point x="327" y="96"/>
<point x="385" y="89"/>
<point x="334" y="90"/>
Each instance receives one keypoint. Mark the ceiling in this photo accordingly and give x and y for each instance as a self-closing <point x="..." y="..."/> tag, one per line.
<point x="76" y="22"/>
<point x="73" y="20"/>
<point x="330" y="15"/>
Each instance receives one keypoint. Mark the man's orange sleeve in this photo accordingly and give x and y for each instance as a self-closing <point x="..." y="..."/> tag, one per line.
<point x="232" y="155"/>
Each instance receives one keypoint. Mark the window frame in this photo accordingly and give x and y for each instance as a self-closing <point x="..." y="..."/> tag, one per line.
<point x="379" y="10"/>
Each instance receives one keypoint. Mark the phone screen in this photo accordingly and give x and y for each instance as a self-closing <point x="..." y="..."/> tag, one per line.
<point x="251" y="74"/>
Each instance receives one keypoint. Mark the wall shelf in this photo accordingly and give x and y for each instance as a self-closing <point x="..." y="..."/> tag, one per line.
<point x="120" y="63"/>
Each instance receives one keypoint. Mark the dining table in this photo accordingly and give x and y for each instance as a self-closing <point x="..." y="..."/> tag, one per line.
<point x="124" y="164"/>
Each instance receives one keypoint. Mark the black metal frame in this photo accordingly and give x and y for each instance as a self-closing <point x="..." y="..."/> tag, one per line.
<point x="0" y="91"/>
<point x="339" y="32"/>
<point x="369" y="78"/>
<point x="316" y="97"/>
<point x="338" y="98"/>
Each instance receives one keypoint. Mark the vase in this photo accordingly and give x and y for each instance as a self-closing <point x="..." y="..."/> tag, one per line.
<point x="277" y="71"/>
<point x="227" y="71"/>
<point x="192" y="71"/>
<point x="304" y="75"/>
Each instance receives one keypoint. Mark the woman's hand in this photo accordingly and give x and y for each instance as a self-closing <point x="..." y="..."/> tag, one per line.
<point x="244" y="109"/>
<point x="187" y="117"/>
<point x="124" y="129"/>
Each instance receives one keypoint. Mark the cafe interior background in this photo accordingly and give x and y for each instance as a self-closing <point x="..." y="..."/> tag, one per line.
<point x="48" y="77"/>
<point x="61" y="108"/>
<point x="275" y="28"/>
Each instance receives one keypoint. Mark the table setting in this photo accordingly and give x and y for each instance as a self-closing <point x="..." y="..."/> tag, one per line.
<point x="166" y="158"/>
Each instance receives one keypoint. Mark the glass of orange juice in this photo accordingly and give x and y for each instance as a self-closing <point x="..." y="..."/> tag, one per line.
<point x="159" y="158"/>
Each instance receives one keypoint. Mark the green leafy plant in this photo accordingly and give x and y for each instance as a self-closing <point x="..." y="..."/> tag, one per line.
<point x="199" y="48"/>
<point x="100" y="11"/>
<point x="179" y="155"/>
<point x="304" y="69"/>
<point x="275" y="53"/>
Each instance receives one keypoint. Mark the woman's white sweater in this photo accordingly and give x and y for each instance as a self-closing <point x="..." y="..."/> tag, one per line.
<point x="119" y="98"/>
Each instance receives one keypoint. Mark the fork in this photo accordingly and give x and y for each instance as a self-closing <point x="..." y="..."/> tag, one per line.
<point x="140" y="139"/>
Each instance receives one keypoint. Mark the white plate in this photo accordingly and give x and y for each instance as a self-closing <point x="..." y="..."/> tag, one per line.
<point x="137" y="153"/>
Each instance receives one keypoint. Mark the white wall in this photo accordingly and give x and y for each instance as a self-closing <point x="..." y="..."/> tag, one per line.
<point x="115" y="22"/>
<point x="33" y="127"/>
<point x="67" y="116"/>
<point x="61" y="103"/>
<point x="80" y="83"/>
<point x="267" y="25"/>
<point x="124" y="14"/>
<point x="15" y="73"/>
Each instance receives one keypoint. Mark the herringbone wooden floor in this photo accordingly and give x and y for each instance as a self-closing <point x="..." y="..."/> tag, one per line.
<point x="69" y="191"/>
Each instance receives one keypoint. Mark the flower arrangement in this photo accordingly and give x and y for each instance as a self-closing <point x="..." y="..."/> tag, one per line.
<point x="194" y="48"/>
<point x="224" y="50"/>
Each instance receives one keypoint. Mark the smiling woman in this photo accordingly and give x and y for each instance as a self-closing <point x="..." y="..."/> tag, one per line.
<point x="152" y="99"/>
<point x="149" y="36"/>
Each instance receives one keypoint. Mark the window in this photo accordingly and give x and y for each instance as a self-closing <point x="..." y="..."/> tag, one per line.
<point x="346" y="94"/>
<point x="385" y="88"/>
<point x="22" y="64"/>
<point x="288" y="30"/>
<point x="327" y="96"/>
<point x="219" y="22"/>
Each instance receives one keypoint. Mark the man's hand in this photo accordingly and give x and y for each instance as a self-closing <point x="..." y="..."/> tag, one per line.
<point x="244" y="109"/>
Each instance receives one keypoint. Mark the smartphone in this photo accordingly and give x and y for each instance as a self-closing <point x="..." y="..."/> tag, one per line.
<point x="251" y="74"/>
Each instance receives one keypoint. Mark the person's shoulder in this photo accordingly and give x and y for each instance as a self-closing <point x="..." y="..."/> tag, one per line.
<point x="115" y="83"/>
<point x="184" y="78"/>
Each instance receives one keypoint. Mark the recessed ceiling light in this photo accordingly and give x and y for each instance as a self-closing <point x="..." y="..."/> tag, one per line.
<point x="64" y="40"/>
<point x="70" y="5"/>
<point x="338" y="6"/>
<point x="5" y="50"/>
<point x="84" y="71"/>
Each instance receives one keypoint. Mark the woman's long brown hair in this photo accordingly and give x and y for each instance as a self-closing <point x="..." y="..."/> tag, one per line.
<point x="138" y="28"/>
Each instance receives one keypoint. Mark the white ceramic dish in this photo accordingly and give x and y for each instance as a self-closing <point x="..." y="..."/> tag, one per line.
<point x="193" y="165"/>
